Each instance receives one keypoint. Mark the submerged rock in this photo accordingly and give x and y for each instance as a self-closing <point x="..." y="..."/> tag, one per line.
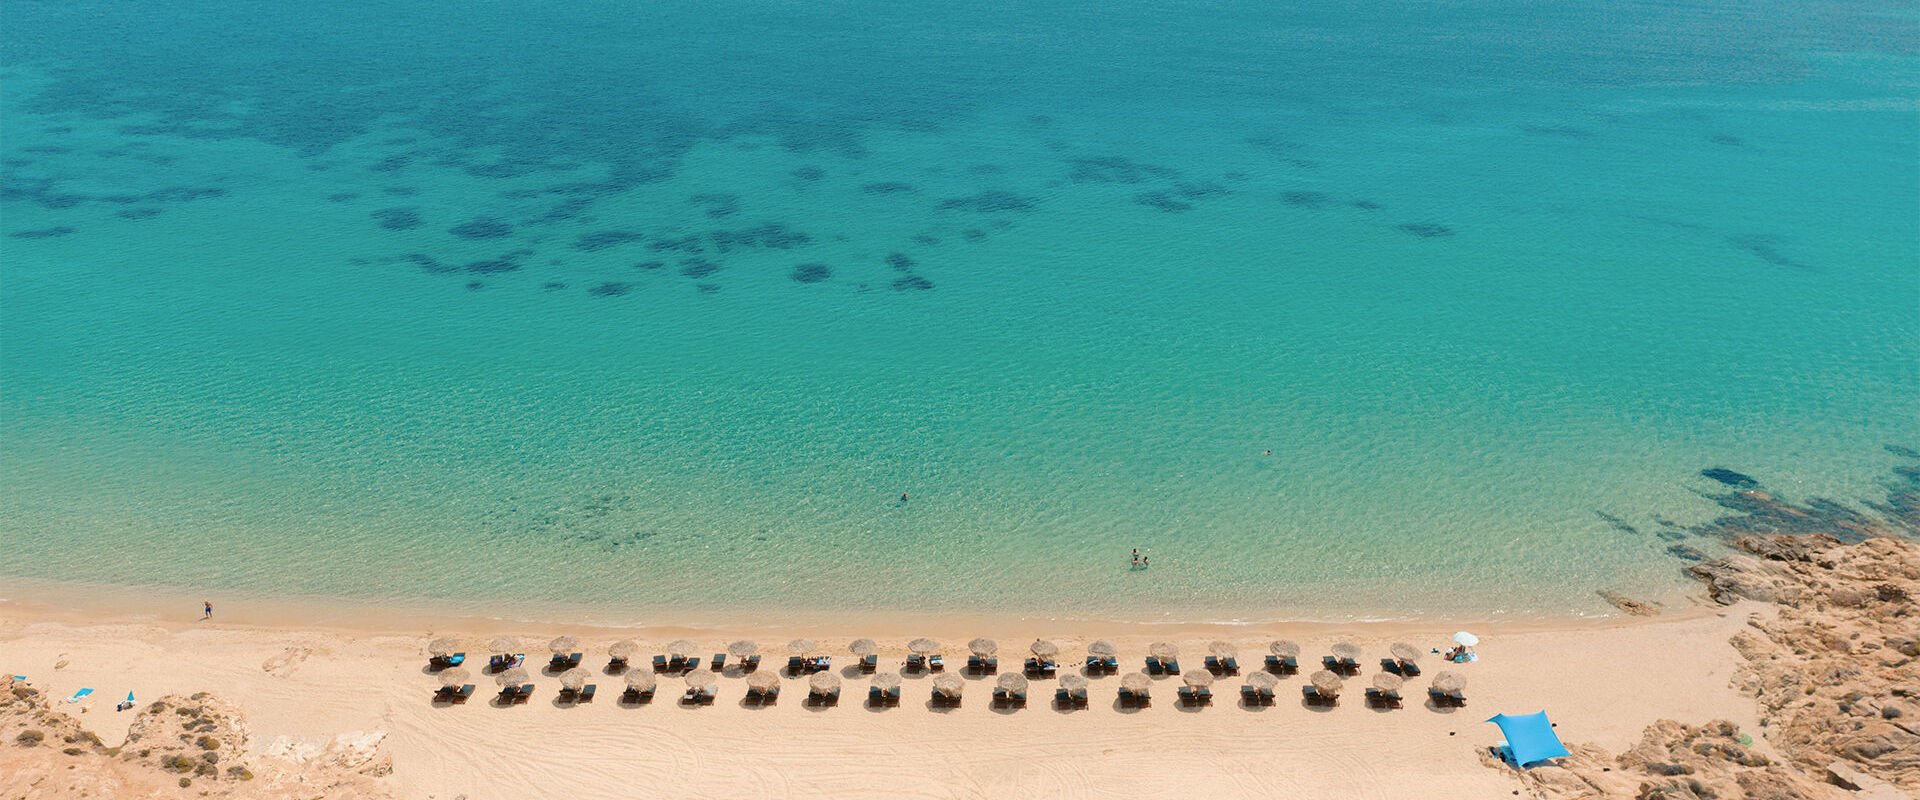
<point x="1730" y="478"/>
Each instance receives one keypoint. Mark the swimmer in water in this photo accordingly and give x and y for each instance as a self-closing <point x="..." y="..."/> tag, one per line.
<point x="903" y="497"/>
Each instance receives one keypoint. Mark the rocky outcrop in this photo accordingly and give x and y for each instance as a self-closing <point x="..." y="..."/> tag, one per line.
<point x="1834" y="662"/>
<point x="197" y="745"/>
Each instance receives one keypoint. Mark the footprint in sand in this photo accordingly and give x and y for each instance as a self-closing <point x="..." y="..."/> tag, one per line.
<point x="284" y="664"/>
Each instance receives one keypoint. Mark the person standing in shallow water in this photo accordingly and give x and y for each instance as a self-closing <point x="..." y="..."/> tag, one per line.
<point x="208" y="613"/>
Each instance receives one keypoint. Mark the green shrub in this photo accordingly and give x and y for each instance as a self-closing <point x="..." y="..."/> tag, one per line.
<point x="30" y="738"/>
<point x="73" y="751"/>
<point x="208" y="743"/>
<point x="186" y="782"/>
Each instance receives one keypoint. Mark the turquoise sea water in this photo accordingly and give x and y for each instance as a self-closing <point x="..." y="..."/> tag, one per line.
<point x="664" y="305"/>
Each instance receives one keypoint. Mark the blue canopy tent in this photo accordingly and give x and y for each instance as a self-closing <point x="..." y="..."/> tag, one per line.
<point x="1530" y="738"/>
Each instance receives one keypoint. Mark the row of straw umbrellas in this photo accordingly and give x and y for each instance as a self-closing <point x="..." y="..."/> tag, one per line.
<point x="1326" y="682"/>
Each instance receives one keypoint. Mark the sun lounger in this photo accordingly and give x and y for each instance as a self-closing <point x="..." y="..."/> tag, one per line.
<point x="616" y="665"/>
<point x="585" y="695"/>
<point x="449" y="694"/>
<point x="1003" y="698"/>
<point x="821" y="664"/>
<point x="560" y="663"/>
<point x="796" y="665"/>
<point x="877" y="697"/>
<point x="1446" y="699"/>
<point x="438" y="663"/>
<point x="1253" y="696"/>
<point x="659" y="663"/>
<point x="634" y="697"/>
<point x="1405" y="669"/>
<point x="942" y="701"/>
<point x="1383" y="699"/>
<point x="869" y="664"/>
<point x="749" y="663"/>
<point x="1282" y="666"/>
<point x="502" y="663"/>
<point x="983" y="666"/>
<point x="515" y="695"/>
<point x="762" y="697"/>
<point x="1170" y="666"/>
<point x="719" y="662"/>
<point x="817" y="699"/>
<point x="916" y="662"/>
<point x="1196" y="696"/>
<point x="1070" y="699"/>
<point x="1315" y="698"/>
<point x="935" y="664"/>
<point x="1097" y="665"/>
<point x="1036" y="668"/>
<point x="80" y="695"/>
<point x="1340" y="666"/>
<point x="1223" y="666"/>
<point x="697" y="697"/>
<point x="1135" y="699"/>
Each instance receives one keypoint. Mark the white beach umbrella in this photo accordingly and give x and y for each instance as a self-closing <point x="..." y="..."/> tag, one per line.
<point x="1465" y="639"/>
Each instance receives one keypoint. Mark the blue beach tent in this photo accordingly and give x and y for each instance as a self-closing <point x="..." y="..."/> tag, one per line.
<point x="1530" y="738"/>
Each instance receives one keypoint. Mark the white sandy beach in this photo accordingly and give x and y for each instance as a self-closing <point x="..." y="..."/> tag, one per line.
<point x="303" y="685"/>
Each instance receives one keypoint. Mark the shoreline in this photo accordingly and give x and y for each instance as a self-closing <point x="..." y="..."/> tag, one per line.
<point x="86" y="603"/>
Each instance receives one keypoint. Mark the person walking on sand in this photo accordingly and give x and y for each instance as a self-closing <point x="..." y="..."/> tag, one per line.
<point x="209" y="609"/>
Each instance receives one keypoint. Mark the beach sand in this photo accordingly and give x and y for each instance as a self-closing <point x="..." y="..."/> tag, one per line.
<point x="303" y="685"/>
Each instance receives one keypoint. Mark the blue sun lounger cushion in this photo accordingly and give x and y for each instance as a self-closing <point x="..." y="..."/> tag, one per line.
<point x="80" y="695"/>
<point x="1530" y="738"/>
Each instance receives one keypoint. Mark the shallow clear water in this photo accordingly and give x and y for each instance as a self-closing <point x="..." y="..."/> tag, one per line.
<point x="664" y="305"/>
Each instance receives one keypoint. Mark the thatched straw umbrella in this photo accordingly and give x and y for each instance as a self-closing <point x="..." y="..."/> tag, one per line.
<point x="742" y="648"/>
<point x="680" y="648"/>
<point x="1044" y="650"/>
<point x="443" y="647"/>
<point x="1450" y="682"/>
<point x="1387" y="682"/>
<point x="454" y="677"/>
<point x="886" y="681"/>
<point x="1284" y="648"/>
<point x="1345" y="651"/>
<point x="701" y="678"/>
<point x="1263" y="681"/>
<point x="823" y="683"/>
<point x="511" y="677"/>
<point x="1012" y="683"/>
<point x="502" y="645"/>
<point x="1164" y="651"/>
<point x="1222" y="650"/>
<point x="1135" y="682"/>
<point x="949" y="685"/>
<point x="1198" y="679"/>
<point x="563" y="645"/>
<point x="1404" y="653"/>
<point x="764" y="681"/>
<point x="803" y="647"/>
<point x="1102" y="649"/>
<point x="625" y="649"/>
<point x="923" y="646"/>
<point x="572" y="680"/>
<point x="640" y="680"/>
<point x="983" y="648"/>
<point x="1326" y="683"/>
<point x="1074" y="683"/>
<point x="863" y="647"/>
